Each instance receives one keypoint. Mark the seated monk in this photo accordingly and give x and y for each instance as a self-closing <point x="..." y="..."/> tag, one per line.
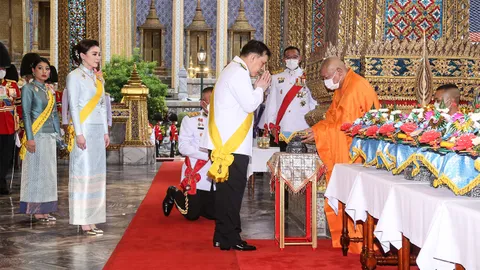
<point x="353" y="97"/>
<point x="449" y="95"/>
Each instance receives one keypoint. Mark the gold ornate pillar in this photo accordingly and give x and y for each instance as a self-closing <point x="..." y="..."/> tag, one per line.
<point x="222" y="35"/>
<point x="121" y="26"/>
<point x="177" y="42"/>
<point x="137" y="148"/>
<point x="93" y="19"/>
<point x="135" y="98"/>
<point x="63" y="44"/>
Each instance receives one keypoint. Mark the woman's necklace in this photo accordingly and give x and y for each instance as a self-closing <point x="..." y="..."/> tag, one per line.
<point x="91" y="77"/>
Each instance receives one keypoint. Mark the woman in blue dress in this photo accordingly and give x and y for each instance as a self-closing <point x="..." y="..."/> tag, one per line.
<point x="38" y="191"/>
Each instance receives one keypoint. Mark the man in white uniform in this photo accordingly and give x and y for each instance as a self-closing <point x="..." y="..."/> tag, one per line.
<point x="289" y="99"/>
<point x="197" y="187"/>
<point x="230" y="138"/>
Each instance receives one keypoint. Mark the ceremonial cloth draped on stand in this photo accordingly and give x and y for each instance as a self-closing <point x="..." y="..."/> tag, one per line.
<point x="258" y="162"/>
<point x="297" y="173"/>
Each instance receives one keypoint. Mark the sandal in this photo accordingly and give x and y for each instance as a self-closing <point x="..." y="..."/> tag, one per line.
<point x="97" y="230"/>
<point x="51" y="218"/>
<point x="89" y="233"/>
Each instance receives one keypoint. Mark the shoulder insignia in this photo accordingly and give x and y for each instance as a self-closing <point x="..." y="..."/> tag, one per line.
<point x="277" y="72"/>
<point x="193" y="114"/>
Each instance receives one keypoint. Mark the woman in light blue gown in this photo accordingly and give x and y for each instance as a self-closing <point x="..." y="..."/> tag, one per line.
<point x="86" y="99"/>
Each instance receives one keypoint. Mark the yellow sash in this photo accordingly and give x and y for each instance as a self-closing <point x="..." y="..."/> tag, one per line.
<point x="84" y="113"/>
<point x="38" y="123"/>
<point x="221" y="155"/>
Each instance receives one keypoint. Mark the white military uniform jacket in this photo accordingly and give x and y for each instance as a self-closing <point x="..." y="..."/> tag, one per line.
<point x="192" y="129"/>
<point x="234" y="99"/>
<point x="294" y="118"/>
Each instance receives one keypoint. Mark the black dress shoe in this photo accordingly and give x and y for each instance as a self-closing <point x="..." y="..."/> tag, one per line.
<point x="244" y="247"/>
<point x="169" y="200"/>
<point x="216" y="244"/>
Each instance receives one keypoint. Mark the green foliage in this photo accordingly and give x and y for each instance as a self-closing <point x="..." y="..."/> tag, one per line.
<point x="117" y="73"/>
<point x="180" y="118"/>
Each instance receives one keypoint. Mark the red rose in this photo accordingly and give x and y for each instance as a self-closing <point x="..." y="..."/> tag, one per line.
<point x="430" y="136"/>
<point x="345" y="126"/>
<point x="408" y="128"/>
<point x="371" y="131"/>
<point x="464" y="142"/>
<point x="356" y="129"/>
<point x="386" y="129"/>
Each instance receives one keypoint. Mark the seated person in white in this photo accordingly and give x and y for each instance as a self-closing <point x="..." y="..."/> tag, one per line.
<point x="196" y="197"/>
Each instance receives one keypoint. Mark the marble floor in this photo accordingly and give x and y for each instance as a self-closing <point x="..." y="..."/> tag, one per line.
<point x="30" y="245"/>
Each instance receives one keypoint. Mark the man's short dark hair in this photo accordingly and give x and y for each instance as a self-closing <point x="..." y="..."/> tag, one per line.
<point x="255" y="46"/>
<point x="447" y="86"/>
<point x="291" y="48"/>
<point x="207" y="89"/>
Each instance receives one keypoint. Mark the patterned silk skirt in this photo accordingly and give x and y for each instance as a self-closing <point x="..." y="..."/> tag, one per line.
<point x="87" y="180"/>
<point x="38" y="191"/>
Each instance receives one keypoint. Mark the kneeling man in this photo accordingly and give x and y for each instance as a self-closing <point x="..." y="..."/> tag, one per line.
<point x="196" y="197"/>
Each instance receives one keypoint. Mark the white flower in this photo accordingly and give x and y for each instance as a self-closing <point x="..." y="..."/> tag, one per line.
<point x="475" y="116"/>
<point x="373" y="111"/>
<point x="385" y="115"/>
<point x="383" y="110"/>
<point x="443" y="110"/>
<point x="418" y="110"/>
<point x="396" y="112"/>
<point x="476" y="141"/>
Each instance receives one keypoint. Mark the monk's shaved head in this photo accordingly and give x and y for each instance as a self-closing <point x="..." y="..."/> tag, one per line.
<point x="333" y="72"/>
<point x="333" y="63"/>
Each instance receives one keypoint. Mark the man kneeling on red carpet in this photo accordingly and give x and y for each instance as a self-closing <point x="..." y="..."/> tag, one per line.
<point x="196" y="197"/>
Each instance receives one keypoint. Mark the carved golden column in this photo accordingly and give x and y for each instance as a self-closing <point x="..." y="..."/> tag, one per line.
<point x="93" y="22"/>
<point x="63" y="44"/>
<point x="135" y="98"/>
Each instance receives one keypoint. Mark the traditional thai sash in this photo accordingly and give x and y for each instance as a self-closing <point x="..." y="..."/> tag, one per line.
<point x="192" y="177"/>
<point x="221" y="155"/>
<point x="84" y="113"/>
<point x="283" y="108"/>
<point x="38" y="123"/>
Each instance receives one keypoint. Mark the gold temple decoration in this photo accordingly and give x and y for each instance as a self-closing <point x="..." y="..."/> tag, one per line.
<point x="424" y="90"/>
<point x="198" y="35"/>
<point x="93" y="19"/>
<point x="240" y="32"/>
<point x="152" y="39"/>
<point x="135" y="98"/>
<point x="355" y="32"/>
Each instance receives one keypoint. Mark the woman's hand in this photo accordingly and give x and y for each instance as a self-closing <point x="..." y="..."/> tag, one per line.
<point x="30" y="146"/>
<point x="81" y="142"/>
<point x="106" y="138"/>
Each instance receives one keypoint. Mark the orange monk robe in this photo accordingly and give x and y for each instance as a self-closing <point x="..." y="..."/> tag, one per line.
<point x="351" y="101"/>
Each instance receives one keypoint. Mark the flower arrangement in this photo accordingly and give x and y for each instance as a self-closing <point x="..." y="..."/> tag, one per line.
<point x="427" y="127"/>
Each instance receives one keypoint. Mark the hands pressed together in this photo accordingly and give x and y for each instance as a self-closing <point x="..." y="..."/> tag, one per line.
<point x="264" y="81"/>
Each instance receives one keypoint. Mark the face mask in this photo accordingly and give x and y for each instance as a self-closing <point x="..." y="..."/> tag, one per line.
<point x="330" y="84"/>
<point x="2" y="74"/>
<point x="292" y="64"/>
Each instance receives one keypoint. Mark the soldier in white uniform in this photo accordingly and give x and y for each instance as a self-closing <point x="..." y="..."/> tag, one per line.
<point x="289" y="99"/>
<point x="230" y="138"/>
<point x="197" y="187"/>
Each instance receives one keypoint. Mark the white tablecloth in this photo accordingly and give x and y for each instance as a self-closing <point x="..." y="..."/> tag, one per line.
<point x="409" y="209"/>
<point x="258" y="162"/>
<point x="342" y="181"/>
<point x="453" y="237"/>
<point x="370" y="192"/>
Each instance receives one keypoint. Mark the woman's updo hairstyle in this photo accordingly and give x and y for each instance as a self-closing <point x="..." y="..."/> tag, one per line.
<point x="83" y="47"/>
<point x="40" y="60"/>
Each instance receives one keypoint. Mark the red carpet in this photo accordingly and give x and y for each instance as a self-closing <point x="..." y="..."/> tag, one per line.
<point x="153" y="241"/>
